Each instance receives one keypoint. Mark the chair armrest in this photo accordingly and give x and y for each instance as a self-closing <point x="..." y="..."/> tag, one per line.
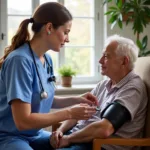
<point x="97" y="143"/>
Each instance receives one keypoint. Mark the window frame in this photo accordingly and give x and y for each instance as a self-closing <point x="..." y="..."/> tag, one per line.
<point x="100" y="34"/>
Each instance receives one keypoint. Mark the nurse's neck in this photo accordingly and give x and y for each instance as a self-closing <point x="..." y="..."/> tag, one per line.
<point x="38" y="47"/>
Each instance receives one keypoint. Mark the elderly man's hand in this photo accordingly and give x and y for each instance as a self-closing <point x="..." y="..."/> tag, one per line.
<point x="55" y="139"/>
<point x="89" y="98"/>
<point x="64" y="141"/>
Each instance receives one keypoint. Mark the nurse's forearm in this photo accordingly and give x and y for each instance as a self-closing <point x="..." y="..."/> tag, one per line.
<point x="25" y="119"/>
<point x="37" y="120"/>
<point x="61" y="102"/>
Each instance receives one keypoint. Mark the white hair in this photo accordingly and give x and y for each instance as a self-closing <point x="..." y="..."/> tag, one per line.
<point x="126" y="47"/>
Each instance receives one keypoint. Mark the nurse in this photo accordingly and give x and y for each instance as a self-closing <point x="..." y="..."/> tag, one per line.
<point x="26" y="82"/>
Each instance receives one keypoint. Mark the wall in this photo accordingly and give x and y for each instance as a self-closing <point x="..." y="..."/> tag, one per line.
<point x="127" y="30"/>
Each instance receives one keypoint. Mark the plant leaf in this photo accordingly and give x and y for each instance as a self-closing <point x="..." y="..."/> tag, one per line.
<point x="144" y="42"/>
<point x="120" y="17"/>
<point x="119" y="4"/>
<point x="113" y="24"/>
<point x="147" y="53"/>
<point x="113" y="18"/>
<point x="147" y="11"/>
<point x="66" y="70"/>
<point x="108" y="12"/>
<point x="113" y="8"/>
<point x="127" y="21"/>
<point x="106" y="1"/>
<point x="139" y="44"/>
<point x="120" y="23"/>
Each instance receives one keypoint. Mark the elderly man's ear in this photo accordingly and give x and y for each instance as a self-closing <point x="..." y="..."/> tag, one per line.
<point x="125" y="61"/>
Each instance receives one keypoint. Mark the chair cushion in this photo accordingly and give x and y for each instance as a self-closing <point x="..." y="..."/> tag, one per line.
<point x="142" y="68"/>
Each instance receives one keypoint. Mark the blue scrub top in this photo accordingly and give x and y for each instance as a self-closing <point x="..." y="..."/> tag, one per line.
<point x="19" y="80"/>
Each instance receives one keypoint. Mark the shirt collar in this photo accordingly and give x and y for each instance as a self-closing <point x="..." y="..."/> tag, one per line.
<point x="121" y="82"/>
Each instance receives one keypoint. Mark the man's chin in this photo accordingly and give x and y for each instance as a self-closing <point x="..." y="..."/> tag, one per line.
<point x="103" y="73"/>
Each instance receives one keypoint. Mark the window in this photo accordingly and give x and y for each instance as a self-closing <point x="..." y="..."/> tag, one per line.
<point x="86" y="36"/>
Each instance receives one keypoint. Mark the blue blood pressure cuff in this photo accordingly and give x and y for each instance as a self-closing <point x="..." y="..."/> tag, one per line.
<point x="116" y="114"/>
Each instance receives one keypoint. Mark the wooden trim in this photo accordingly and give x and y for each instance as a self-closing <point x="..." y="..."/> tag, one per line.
<point x="97" y="143"/>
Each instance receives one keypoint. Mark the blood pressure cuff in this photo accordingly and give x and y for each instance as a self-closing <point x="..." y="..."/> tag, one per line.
<point x="116" y="114"/>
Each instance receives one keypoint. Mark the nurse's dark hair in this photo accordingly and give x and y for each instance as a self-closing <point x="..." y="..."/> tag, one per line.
<point x="52" y="12"/>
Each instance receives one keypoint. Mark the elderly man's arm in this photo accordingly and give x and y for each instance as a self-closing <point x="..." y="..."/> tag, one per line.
<point x="113" y="117"/>
<point x="100" y="129"/>
<point x="66" y="125"/>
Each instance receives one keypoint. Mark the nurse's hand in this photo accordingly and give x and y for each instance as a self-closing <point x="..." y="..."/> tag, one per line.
<point x="89" y="99"/>
<point x="81" y="111"/>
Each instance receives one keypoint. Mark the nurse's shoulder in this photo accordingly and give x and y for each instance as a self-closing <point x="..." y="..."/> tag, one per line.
<point x="22" y="51"/>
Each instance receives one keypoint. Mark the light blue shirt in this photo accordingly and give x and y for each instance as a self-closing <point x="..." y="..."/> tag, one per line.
<point x="19" y="80"/>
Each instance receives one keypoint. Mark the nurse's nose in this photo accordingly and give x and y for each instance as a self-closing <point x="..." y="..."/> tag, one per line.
<point x="67" y="39"/>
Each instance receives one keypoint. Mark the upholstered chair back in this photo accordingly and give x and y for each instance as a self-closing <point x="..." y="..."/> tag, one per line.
<point x="142" y="68"/>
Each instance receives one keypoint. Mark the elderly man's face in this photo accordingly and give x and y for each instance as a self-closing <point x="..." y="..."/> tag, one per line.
<point x="111" y="64"/>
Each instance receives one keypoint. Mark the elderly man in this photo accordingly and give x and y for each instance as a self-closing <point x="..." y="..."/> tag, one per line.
<point x="122" y="102"/>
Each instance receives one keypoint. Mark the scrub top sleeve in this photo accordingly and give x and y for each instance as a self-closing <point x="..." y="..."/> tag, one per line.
<point x="18" y="79"/>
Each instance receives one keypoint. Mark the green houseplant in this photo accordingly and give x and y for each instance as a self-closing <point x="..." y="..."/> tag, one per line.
<point x="137" y="13"/>
<point x="66" y="72"/>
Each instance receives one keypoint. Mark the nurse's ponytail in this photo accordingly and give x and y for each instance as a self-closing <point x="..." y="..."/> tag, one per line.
<point x="22" y="35"/>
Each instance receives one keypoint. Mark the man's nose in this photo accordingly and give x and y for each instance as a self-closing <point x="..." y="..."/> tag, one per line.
<point x="101" y="60"/>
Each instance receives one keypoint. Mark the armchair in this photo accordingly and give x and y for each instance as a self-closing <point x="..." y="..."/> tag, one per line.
<point x="142" y="68"/>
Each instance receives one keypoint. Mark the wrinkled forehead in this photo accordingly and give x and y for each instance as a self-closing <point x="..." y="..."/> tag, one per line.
<point x="110" y="47"/>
